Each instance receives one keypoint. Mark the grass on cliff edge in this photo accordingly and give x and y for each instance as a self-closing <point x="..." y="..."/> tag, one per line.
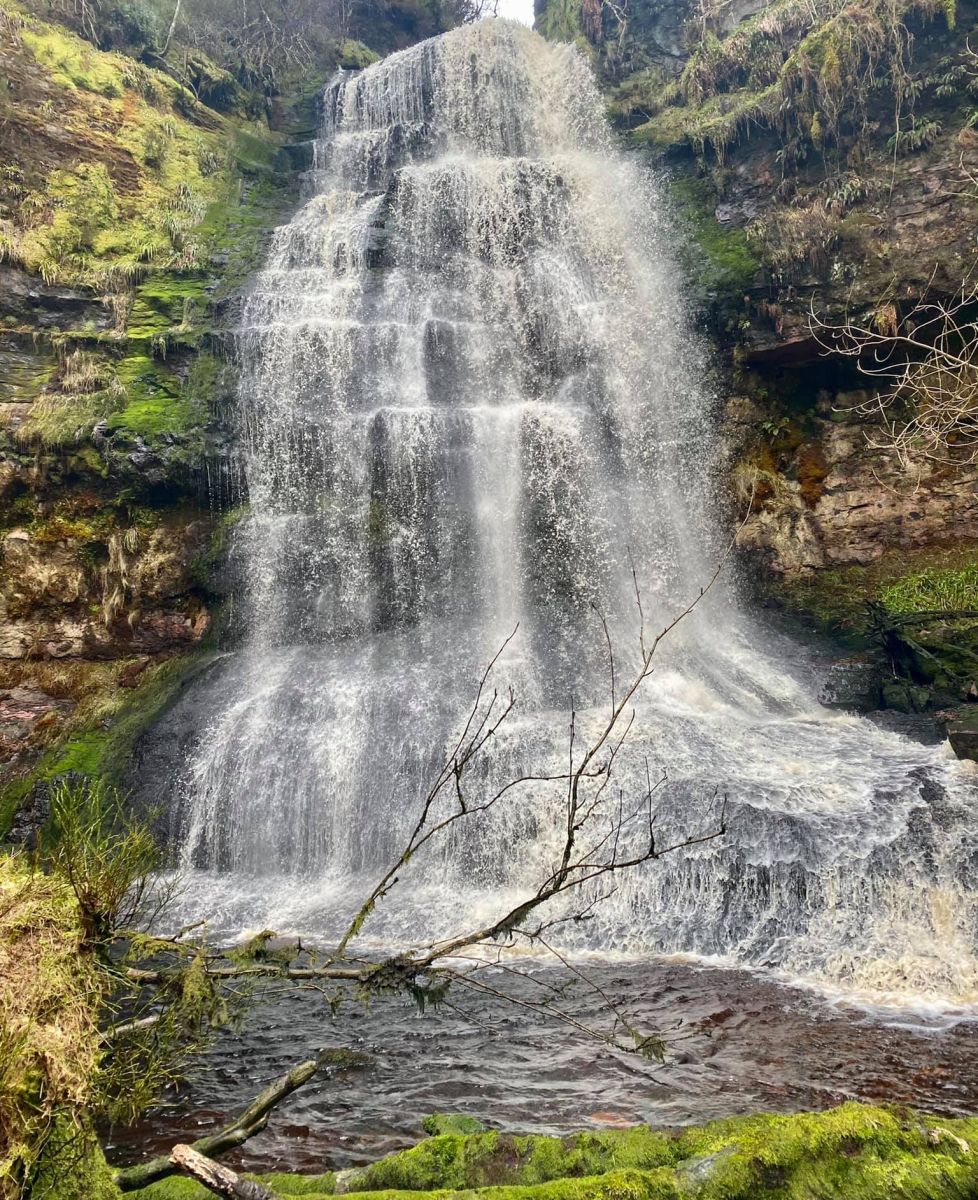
<point x="906" y="581"/>
<point x="855" y="1152"/>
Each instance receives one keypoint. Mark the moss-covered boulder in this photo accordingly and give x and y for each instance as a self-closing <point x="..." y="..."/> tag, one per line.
<point x="855" y="1152"/>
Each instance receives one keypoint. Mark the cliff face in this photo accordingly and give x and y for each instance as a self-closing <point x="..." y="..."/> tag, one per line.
<point x="821" y="155"/>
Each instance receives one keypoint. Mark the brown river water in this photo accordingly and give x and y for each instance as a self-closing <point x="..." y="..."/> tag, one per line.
<point x="738" y="1043"/>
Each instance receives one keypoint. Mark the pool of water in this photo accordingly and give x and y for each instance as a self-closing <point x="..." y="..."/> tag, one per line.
<point x="736" y="1043"/>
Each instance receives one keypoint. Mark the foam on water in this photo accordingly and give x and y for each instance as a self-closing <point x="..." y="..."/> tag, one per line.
<point x="468" y="393"/>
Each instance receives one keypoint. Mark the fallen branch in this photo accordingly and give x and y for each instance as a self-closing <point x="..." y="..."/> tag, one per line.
<point x="253" y="1120"/>
<point x="221" y="1180"/>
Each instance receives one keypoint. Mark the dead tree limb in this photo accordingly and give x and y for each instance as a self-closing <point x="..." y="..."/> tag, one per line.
<point x="220" y="1180"/>
<point x="924" y="362"/>
<point x="251" y="1121"/>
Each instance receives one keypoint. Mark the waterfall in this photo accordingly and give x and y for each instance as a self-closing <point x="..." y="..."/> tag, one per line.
<point x="470" y="405"/>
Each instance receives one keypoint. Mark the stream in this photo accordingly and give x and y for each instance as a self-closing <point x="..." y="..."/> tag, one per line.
<point x="737" y="1043"/>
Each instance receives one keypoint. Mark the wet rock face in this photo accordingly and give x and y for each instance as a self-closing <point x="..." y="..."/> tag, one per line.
<point x="25" y="300"/>
<point x="24" y="711"/>
<point x="101" y="595"/>
<point x="963" y="734"/>
<point x="871" y="501"/>
<point x="836" y="498"/>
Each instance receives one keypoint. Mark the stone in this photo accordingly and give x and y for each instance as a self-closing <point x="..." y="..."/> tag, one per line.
<point x="439" y="1123"/>
<point x="962" y="732"/>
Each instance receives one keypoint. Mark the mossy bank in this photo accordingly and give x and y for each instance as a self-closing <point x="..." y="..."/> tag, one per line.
<point x="850" y="1153"/>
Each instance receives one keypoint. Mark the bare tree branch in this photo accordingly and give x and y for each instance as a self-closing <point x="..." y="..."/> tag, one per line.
<point x="220" y="1180"/>
<point x="249" y="1122"/>
<point x="925" y="366"/>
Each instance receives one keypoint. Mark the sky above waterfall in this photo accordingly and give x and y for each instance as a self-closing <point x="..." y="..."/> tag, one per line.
<point x="516" y="10"/>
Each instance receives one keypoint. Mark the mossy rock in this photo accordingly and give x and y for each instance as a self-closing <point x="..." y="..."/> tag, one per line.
<point x="719" y="262"/>
<point x="155" y="404"/>
<point x="354" y="56"/>
<point x="164" y="301"/>
<point x="855" y="1152"/>
<point x="439" y="1123"/>
<point x="962" y="731"/>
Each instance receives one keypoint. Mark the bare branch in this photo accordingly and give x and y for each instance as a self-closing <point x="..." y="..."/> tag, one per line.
<point x="925" y="365"/>
<point x="251" y="1121"/>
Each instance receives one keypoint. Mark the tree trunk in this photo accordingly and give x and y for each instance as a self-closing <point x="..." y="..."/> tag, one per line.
<point x="170" y="31"/>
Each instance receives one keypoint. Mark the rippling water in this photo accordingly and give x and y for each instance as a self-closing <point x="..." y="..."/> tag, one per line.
<point x="738" y="1043"/>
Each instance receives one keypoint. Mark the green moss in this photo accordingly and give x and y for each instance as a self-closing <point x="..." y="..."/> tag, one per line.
<point x="73" y="1167"/>
<point x="205" y="566"/>
<point x="83" y="754"/>
<point x="155" y="404"/>
<point x="450" y="1160"/>
<point x="104" y="749"/>
<point x="811" y="71"/>
<point x="855" y="1152"/>
<point x="438" y="1123"/>
<point x="233" y="228"/>
<point x="163" y="302"/>
<point x="354" y="56"/>
<point x="459" y="1160"/>
<point x="300" y="1185"/>
<point x="178" y="1188"/>
<point x="74" y="63"/>
<point x="255" y="154"/>
<point x="147" y="704"/>
<point x="725" y="266"/>
<point x="616" y="1185"/>
<point x="925" y="578"/>
<point x="12" y="796"/>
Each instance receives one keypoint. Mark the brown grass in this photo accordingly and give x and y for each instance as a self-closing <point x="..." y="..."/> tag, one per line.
<point x="48" y="1033"/>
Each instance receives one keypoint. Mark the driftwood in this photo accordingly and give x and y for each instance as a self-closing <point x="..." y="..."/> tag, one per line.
<point x="253" y="1120"/>
<point x="221" y="1180"/>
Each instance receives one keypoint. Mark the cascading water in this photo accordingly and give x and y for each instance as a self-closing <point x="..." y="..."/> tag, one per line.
<point x="468" y="403"/>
